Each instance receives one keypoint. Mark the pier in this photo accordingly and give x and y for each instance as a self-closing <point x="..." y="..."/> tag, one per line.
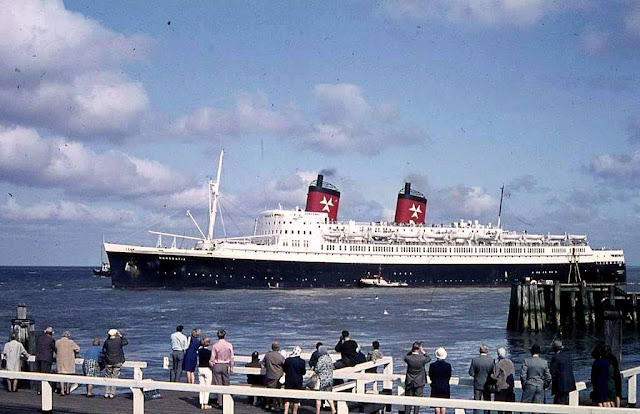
<point x="554" y="306"/>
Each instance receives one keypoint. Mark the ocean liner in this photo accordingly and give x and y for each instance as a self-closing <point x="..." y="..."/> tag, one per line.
<point x="310" y="248"/>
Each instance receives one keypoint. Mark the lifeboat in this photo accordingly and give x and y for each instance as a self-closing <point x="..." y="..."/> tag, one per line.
<point x="533" y="237"/>
<point x="409" y="232"/>
<point x="331" y="233"/>
<point x="510" y="236"/>
<point x="556" y="237"/>
<point x="578" y="237"/>
<point x="485" y="236"/>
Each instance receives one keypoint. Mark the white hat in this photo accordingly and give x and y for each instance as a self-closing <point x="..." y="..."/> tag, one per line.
<point x="441" y="353"/>
<point x="502" y="353"/>
<point x="112" y="332"/>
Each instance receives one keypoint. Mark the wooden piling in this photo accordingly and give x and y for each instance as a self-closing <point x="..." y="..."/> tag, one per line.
<point x="634" y="310"/>
<point x="592" y="309"/>
<point x="572" y="304"/>
<point x="543" y="308"/>
<point x="556" y="306"/>
<point x="584" y="304"/>
<point x="525" y="308"/>
<point x="512" y="323"/>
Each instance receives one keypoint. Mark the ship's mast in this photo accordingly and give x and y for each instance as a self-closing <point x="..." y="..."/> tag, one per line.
<point x="500" y="208"/>
<point x="214" y="192"/>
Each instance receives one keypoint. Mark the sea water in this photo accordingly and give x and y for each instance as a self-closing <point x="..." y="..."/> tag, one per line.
<point x="458" y="319"/>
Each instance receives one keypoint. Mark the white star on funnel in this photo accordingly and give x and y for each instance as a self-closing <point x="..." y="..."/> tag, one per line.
<point x="327" y="204"/>
<point x="416" y="211"/>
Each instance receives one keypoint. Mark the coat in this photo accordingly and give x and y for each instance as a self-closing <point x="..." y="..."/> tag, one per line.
<point x="481" y="367"/>
<point x="273" y="362"/>
<point x="12" y="351"/>
<point x="416" y="373"/>
<point x="66" y="351"/>
<point x="562" y="373"/>
<point x="504" y="374"/>
<point x="46" y="346"/>
<point x="113" y="353"/>
<point x="535" y="371"/>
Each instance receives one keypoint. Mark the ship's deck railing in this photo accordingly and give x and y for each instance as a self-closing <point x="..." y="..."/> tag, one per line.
<point x="137" y="387"/>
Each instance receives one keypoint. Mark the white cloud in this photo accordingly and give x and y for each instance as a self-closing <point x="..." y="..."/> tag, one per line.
<point x="27" y="159"/>
<point x="463" y="202"/>
<point x="347" y="121"/>
<point x="61" y="70"/>
<point x="489" y="12"/>
<point x="250" y="113"/>
<point x="65" y="211"/>
<point x="341" y="102"/>
<point x="622" y="170"/>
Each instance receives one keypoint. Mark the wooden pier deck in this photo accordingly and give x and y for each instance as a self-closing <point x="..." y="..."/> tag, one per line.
<point x="27" y="401"/>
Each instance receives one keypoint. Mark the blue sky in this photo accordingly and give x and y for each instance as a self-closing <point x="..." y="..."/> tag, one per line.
<point x="112" y="115"/>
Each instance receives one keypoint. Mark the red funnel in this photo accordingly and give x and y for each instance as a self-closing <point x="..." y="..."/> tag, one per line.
<point x="411" y="206"/>
<point x="323" y="197"/>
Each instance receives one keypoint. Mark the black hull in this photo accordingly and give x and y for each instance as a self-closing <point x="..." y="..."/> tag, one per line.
<point x="149" y="271"/>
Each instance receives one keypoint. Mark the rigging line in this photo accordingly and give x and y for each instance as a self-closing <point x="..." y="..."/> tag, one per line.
<point x="224" y="210"/>
<point x="237" y="207"/>
<point x="147" y="226"/>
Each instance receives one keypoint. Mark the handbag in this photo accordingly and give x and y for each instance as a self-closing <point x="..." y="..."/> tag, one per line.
<point x="3" y="364"/>
<point x="101" y="361"/>
<point x="314" y="382"/>
<point x="491" y="385"/>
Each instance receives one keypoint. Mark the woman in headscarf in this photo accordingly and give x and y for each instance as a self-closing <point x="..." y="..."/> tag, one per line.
<point x="66" y="351"/>
<point x="294" y="369"/>
<point x="324" y="369"/>
<point x="12" y="352"/>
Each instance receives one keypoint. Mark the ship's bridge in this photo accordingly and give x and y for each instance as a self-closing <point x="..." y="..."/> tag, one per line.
<point x="288" y="222"/>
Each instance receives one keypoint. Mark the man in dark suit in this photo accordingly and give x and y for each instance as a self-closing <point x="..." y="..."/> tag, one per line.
<point x="416" y="377"/>
<point x="562" y="374"/>
<point x="480" y="369"/>
<point x="46" y="346"/>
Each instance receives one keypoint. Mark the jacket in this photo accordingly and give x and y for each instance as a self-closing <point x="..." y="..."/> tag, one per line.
<point x="113" y="353"/>
<point x="481" y="367"/>
<point x="416" y="373"/>
<point x="46" y="346"/>
<point x="273" y="363"/>
<point x="535" y="371"/>
<point x="562" y="373"/>
<point x="504" y="374"/>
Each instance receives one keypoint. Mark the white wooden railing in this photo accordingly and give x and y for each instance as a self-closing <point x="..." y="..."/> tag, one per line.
<point x="631" y="376"/>
<point x="137" y="366"/>
<point x="342" y="398"/>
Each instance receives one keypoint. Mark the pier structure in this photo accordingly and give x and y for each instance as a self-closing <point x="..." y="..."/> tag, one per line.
<point x="361" y="392"/>
<point x="560" y="307"/>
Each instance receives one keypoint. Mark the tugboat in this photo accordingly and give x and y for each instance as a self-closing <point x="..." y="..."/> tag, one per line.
<point x="378" y="281"/>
